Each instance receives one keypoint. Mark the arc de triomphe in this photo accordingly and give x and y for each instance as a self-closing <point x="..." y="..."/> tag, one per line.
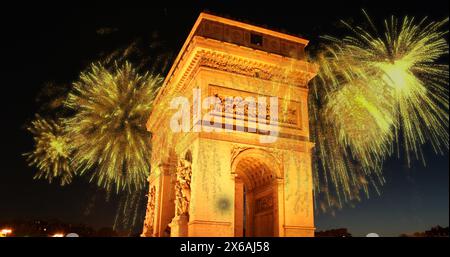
<point x="217" y="182"/>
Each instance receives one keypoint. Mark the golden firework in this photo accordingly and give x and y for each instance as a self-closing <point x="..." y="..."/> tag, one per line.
<point x="51" y="155"/>
<point x="371" y="92"/>
<point x="107" y="131"/>
<point x="404" y="64"/>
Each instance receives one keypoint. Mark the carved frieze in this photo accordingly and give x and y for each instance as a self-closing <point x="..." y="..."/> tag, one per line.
<point x="241" y="66"/>
<point x="234" y="103"/>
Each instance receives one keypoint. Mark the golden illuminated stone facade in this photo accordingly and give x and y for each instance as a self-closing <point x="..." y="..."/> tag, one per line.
<point x="229" y="183"/>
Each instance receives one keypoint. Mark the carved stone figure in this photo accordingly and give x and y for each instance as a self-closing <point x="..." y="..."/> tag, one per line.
<point x="150" y="214"/>
<point x="183" y="187"/>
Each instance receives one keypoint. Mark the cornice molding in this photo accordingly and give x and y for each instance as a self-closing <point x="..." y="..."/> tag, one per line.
<point x="227" y="57"/>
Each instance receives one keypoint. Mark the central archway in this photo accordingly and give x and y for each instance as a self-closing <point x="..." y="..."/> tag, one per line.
<point x="256" y="205"/>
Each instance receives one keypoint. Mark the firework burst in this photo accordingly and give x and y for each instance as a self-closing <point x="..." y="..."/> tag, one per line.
<point x="403" y="64"/>
<point x="107" y="131"/>
<point x="354" y="104"/>
<point x="373" y="91"/>
<point x="51" y="155"/>
<point x="338" y="176"/>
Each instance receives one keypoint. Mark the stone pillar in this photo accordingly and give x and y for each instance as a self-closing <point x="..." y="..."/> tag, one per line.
<point x="279" y="187"/>
<point x="179" y="226"/>
<point x="250" y="213"/>
<point x="298" y="196"/>
<point x="239" y="208"/>
<point x="167" y="205"/>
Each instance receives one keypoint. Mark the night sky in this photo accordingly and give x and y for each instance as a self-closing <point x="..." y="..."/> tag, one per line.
<point x="53" y="43"/>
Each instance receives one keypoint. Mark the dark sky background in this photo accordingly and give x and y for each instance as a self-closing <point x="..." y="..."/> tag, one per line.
<point x="50" y="42"/>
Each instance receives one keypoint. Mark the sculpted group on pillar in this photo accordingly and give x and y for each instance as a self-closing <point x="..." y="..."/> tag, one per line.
<point x="148" y="224"/>
<point x="183" y="188"/>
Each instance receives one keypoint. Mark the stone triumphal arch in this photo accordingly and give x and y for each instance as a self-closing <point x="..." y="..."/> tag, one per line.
<point x="215" y="176"/>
